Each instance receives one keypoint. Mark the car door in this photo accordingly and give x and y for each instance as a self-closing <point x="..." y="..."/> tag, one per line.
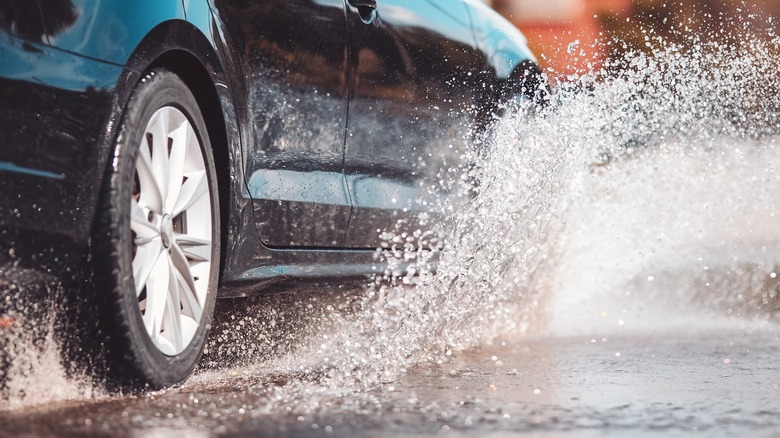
<point x="412" y="91"/>
<point x="292" y="56"/>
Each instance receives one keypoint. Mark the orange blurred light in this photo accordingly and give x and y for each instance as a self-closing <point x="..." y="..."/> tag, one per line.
<point x="563" y="33"/>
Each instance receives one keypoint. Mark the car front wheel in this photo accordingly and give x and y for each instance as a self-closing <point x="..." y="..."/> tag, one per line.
<point x="158" y="238"/>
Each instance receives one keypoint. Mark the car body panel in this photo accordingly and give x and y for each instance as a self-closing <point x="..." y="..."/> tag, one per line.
<point x="503" y="45"/>
<point x="419" y="85"/>
<point x="511" y="69"/>
<point x="108" y="30"/>
<point x="413" y="107"/>
<point x="292" y="54"/>
<point x="52" y="141"/>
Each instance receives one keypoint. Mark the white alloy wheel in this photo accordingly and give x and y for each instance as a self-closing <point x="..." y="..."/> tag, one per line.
<point x="171" y="220"/>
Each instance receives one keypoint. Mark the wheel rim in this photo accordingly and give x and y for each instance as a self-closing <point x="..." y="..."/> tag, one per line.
<point x="171" y="221"/>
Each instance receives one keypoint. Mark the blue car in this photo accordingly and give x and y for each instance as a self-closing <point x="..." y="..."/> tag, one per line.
<point x="157" y="154"/>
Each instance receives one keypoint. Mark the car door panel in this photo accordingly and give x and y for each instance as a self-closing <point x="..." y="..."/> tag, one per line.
<point x="411" y="111"/>
<point x="292" y="56"/>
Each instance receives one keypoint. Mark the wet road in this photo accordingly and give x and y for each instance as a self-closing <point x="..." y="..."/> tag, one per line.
<point x="724" y="383"/>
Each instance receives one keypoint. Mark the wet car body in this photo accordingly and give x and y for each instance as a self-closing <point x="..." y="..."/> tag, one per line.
<point x="307" y="126"/>
<point x="328" y="118"/>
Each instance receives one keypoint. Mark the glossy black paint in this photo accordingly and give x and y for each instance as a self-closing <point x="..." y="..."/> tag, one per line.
<point x="53" y="116"/>
<point x="327" y="118"/>
<point x="292" y="56"/>
<point x="414" y="96"/>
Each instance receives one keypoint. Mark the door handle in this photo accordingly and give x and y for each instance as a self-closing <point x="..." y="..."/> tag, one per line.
<point x="366" y="9"/>
<point x="368" y="4"/>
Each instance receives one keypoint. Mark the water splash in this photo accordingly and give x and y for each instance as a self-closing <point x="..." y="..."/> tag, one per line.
<point x="31" y="368"/>
<point x="606" y="205"/>
<point x="680" y="143"/>
<point x="657" y="167"/>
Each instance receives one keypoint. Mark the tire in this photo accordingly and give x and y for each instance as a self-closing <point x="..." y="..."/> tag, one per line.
<point x="156" y="244"/>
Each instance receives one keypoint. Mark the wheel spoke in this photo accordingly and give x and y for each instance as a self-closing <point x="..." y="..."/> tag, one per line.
<point x="181" y="264"/>
<point x="156" y="294"/>
<point x="194" y="248"/>
<point x="144" y="231"/>
<point x="179" y="139"/>
<point x="191" y="191"/>
<point x="158" y="128"/>
<point x="151" y="195"/>
<point x="146" y="257"/>
<point x="172" y="315"/>
<point x="189" y="299"/>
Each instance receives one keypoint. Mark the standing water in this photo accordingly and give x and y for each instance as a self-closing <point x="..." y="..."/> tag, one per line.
<point x="639" y="203"/>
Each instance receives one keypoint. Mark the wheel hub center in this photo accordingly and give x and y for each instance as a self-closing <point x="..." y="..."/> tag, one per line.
<point x="166" y="230"/>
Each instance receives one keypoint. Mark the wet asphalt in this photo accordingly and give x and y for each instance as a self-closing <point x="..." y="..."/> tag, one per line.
<point x="725" y="382"/>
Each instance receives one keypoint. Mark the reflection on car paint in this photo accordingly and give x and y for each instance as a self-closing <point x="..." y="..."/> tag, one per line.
<point x="110" y="30"/>
<point x="11" y="167"/>
<point x="296" y="84"/>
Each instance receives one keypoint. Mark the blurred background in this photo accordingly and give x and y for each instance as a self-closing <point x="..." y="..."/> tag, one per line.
<point x="565" y="33"/>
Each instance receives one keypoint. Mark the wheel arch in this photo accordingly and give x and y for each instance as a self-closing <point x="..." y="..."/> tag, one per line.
<point x="181" y="48"/>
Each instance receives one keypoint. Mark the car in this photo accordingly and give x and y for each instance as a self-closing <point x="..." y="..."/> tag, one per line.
<point x="156" y="154"/>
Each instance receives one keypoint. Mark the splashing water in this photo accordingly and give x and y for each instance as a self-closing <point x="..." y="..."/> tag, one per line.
<point x="670" y="165"/>
<point x="653" y="186"/>
<point x="627" y="198"/>
<point x="31" y="371"/>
